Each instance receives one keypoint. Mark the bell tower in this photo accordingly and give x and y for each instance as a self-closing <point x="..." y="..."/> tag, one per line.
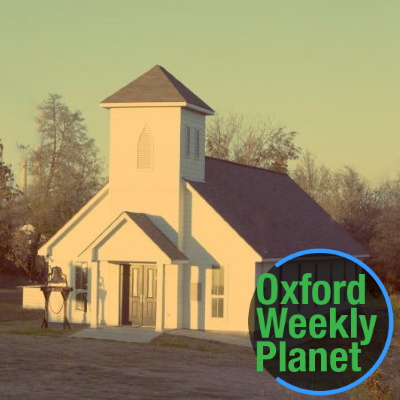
<point x="157" y="138"/>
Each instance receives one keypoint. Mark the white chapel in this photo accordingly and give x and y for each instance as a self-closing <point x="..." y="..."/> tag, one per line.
<point x="177" y="239"/>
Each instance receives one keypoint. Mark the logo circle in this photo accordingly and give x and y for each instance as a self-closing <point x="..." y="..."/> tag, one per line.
<point x="289" y="299"/>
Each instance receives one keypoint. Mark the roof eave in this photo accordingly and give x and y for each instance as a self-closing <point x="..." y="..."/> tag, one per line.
<point x="202" y="110"/>
<point x="144" y="104"/>
<point x="276" y="259"/>
<point x="207" y="111"/>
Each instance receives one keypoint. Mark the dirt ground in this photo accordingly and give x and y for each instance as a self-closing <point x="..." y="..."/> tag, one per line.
<point x="48" y="364"/>
<point x="64" y="368"/>
<point x="56" y="366"/>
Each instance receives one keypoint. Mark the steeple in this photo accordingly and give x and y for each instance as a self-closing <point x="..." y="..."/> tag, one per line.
<point x="156" y="86"/>
<point x="157" y="139"/>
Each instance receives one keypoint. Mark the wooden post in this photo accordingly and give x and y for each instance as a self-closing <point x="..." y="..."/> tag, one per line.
<point x="160" y="306"/>
<point x="94" y="295"/>
<point x="46" y="294"/>
<point x="65" y="294"/>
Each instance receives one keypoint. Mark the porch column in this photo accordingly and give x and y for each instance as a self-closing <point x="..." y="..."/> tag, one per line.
<point x="160" y="298"/>
<point x="94" y="295"/>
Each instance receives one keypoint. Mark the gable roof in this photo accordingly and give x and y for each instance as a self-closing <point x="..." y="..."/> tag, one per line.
<point x="149" y="228"/>
<point x="270" y="211"/>
<point x="156" y="85"/>
<point x="158" y="237"/>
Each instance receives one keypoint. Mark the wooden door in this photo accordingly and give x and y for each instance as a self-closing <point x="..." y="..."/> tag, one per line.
<point x="135" y="295"/>
<point x="149" y="295"/>
<point x="143" y="295"/>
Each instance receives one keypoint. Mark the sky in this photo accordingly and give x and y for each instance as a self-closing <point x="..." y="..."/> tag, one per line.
<point x="326" y="69"/>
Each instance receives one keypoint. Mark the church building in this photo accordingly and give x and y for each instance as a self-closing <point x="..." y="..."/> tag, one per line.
<point x="177" y="239"/>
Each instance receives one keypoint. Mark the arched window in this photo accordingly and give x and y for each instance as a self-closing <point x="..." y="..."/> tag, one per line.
<point x="145" y="151"/>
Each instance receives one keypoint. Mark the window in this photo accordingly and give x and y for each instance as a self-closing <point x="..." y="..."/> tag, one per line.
<point x="144" y="151"/>
<point x="81" y="272"/>
<point x="197" y="144"/>
<point x="187" y="142"/>
<point x="217" y="292"/>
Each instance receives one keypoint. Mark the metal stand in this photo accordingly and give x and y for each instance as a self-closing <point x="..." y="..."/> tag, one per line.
<point x="47" y="290"/>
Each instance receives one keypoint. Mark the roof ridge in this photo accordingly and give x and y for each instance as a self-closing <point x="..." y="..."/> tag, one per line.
<point x="157" y="85"/>
<point x="247" y="166"/>
<point x="175" y="82"/>
<point x="168" y="76"/>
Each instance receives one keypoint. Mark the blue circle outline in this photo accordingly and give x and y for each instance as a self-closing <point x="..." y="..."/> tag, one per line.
<point x="390" y="315"/>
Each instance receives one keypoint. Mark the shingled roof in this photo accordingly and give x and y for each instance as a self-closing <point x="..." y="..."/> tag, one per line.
<point x="156" y="85"/>
<point x="155" y="234"/>
<point x="270" y="211"/>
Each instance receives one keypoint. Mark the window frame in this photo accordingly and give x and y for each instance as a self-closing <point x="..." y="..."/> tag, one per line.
<point x="217" y="294"/>
<point x="81" y="286"/>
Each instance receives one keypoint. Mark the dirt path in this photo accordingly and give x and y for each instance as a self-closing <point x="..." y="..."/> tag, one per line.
<point x="64" y="368"/>
<point x="52" y="367"/>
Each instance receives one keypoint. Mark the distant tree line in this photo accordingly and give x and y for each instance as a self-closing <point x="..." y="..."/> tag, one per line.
<point x="258" y="142"/>
<point x="370" y="214"/>
<point x="66" y="170"/>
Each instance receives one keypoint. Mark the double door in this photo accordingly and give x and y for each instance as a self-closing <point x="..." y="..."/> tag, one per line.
<point x="139" y="295"/>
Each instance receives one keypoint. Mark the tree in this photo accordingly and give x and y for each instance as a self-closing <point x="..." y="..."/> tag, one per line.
<point x="385" y="245"/>
<point x="65" y="170"/>
<point x="371" y="215"/>
<point x="9" y="196"/>
<point x="356" y="205"/>
<point x="221" y="130"/>
<point x="257" y="142"/>
<point x="314" y="179"/>
<point x="343" y="194"/>
<point x="65" y="167"/>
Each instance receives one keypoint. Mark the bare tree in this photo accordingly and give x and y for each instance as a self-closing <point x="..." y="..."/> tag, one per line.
<point x="314" y="179"/>
<point x="371" y="215"/>
<point x="221" y="131"/>
<point x="356" y="205"/>
<point x="257" y="142"/>
<point x="385" y="245"/>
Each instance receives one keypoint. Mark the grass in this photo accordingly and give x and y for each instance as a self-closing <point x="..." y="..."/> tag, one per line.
<point x="41" y="332"/>
<point x="209" y="346"/>
<point x="19" y="321"/>
<point x="384" y="383"/>
<point x="175" y="345"/>
<point x="10" y="312"/>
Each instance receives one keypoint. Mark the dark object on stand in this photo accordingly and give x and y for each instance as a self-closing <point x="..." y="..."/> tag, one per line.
<point x="56" y="282"/>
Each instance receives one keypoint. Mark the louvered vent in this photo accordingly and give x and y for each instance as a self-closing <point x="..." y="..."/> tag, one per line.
<point x="187" y="142"/>
<point x="145" y="151"/>
<point x="197" y="144"/>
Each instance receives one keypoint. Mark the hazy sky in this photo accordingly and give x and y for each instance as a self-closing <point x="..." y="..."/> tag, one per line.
<point x="327" y="69"/>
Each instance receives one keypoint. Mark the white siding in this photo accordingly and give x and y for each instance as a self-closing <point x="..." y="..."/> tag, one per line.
<point x="152" y="191"/>
<point x="32" y="297"/>
<point x="191" y="166"/>
<point x="109" y="285"/>
<point x="210" y="240"/>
